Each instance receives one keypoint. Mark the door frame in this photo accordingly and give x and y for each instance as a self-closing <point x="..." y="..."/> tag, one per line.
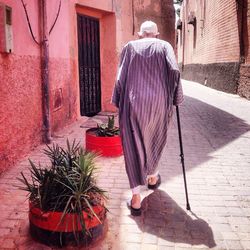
<point x="108" y="52"/>
<point x="89" y="58"/>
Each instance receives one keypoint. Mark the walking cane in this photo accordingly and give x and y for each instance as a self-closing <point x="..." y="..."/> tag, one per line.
<point x="182" y="156"/>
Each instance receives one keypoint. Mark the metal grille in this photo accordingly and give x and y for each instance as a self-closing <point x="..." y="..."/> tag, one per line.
<point x="89" y="65"/>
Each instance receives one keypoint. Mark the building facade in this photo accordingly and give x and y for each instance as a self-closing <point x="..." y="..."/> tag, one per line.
<point x="213" y="44"/>
<point x="58" y="61"/>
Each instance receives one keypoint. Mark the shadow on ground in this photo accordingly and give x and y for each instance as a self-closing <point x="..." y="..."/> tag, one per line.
<point x="217" y="126"/>
<point x="163" y="218"/>
<point x="205" y="130"/>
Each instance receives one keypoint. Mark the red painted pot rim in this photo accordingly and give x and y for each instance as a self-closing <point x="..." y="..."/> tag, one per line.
<point x="91" y="131"/>
<point x="52" y="220"/>
<point x="104" y="140"/>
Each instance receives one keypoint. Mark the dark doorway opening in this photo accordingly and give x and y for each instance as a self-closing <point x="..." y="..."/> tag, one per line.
<point x="89" y="65"/>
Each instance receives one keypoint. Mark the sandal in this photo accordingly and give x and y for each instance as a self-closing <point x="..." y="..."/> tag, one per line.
<point x="156" y="185"/>
<point x="134" y="211"/>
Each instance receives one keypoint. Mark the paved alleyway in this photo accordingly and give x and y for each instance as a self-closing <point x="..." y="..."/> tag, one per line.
<point x="216" y="136"/>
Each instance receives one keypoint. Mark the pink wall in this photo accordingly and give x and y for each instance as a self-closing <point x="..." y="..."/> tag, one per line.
<point x="21" y="116"/>
<point x="23" y="43"/>
<point x="20" y="90"/>
<point x="62" y="77"/>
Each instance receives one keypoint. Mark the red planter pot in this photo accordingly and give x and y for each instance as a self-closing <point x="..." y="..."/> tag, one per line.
<point x="106" y="146"/>
<point x="48" y="228"/>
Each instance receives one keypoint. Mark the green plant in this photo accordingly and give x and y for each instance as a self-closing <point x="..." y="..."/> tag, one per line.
<point x="108" y="129"/>
<point x="68" y="185"/>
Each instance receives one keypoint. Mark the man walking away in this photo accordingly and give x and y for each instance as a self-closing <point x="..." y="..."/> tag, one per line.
<point x="147" y="86"/>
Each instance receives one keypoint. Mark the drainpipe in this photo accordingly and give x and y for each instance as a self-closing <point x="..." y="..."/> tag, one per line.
<point x="45" y="74"/>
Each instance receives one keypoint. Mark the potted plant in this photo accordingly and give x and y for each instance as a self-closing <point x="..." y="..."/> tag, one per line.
<point x="105" y="139"/>
<point x="65" y="205"/>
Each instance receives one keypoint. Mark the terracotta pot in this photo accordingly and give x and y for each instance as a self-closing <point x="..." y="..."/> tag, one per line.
<point x="48" y="228"/>
<point x="106" y="146"/>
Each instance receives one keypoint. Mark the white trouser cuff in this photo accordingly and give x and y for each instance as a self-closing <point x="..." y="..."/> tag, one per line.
<point x="136" y="190"/>
<point x="153" y="175"/>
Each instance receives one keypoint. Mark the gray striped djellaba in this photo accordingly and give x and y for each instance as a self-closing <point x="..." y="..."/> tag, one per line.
<point x="147" y="86"/>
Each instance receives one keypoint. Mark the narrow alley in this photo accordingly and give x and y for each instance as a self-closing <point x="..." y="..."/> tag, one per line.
<point x="216" y="139"/>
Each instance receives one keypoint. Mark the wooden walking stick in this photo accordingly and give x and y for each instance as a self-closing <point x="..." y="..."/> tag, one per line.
<point x="182" y="156"/>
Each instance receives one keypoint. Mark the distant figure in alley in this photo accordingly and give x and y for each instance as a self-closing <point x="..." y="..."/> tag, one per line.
<point x="147" y="86"/>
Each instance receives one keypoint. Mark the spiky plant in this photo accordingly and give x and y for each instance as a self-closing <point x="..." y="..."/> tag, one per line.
<point x="67" y="185"/>
<point x="108" y="129"/>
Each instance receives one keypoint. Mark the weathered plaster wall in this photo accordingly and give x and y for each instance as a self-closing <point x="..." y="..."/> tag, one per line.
<point x="131" y="14"/>
<point x="20" y="109"/>
<point x="222" y="76"/>
<point x="109" y="60"/>
<point x="246" y="31"/>
<point x="244" y="79"/>
<point x="64" y="89"/>
<point x="161" y="12"/>
<point x="20" y="89"/>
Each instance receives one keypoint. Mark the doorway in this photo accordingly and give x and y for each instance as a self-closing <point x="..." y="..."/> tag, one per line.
<point x="89" y="65"/>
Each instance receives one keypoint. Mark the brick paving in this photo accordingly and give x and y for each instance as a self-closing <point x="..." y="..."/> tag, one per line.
<point x="216" y="137"/>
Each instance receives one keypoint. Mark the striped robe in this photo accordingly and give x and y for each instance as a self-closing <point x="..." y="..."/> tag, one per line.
<point x="147" y="86"/>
